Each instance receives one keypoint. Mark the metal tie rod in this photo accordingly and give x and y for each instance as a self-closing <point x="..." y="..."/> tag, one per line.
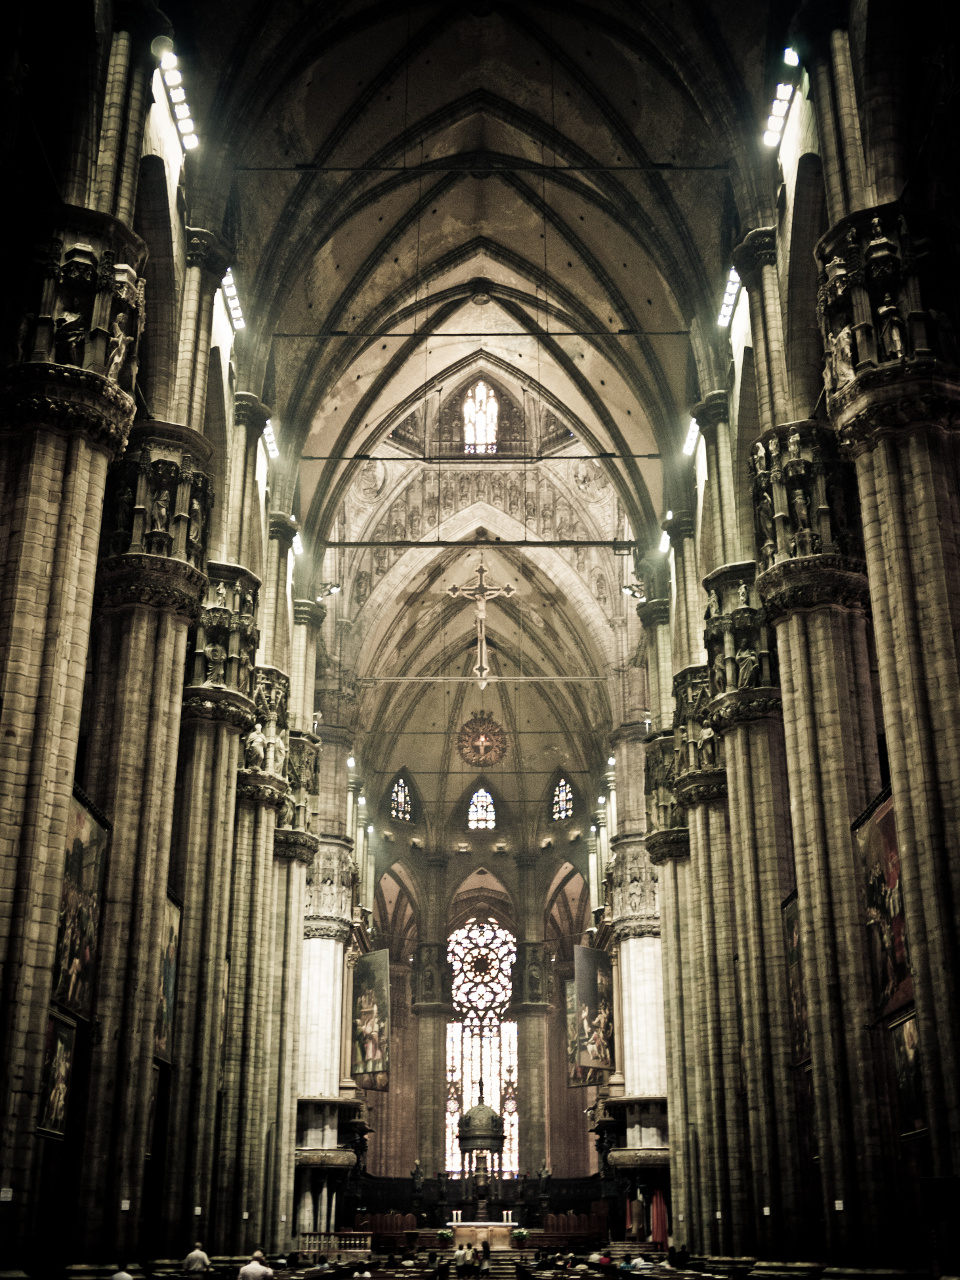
<point x="619" y="546"/>
<point x="368" y="680"/>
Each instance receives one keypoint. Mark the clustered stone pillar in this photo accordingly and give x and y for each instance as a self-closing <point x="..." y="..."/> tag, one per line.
<point x="149" y="590"/>
<point x="67" y="409"/>
<point x="894" y="397"/>
<point x="218" y="713"/>
<point x="433" y="1005"/>
<point x="207" y="262"/>
<point x="532" y="1010"/>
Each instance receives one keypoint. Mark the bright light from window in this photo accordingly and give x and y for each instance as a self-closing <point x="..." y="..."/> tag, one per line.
<point x="778" y="110"/>
<point x="611" y="759"/>
<point x="774" y="123"/>
<point x="168" y="61"/>
<point x="481" y="814"/>
<point x="771" y="139"/>
<point x="791" y="57"/>
<point x="729" y="299"/>
<point x="480" y="411"/>
<point x="189" y="142"/>
<point x="690" y="443"/>
<point x="362" y="800"/>
<point x="785" y="92"/>
<point x="185" y="126"/>
<point x="177" y="95"/>
<point x="182" y="111"/>
<point x="171" y="78"/>
<point x="351" y="763"/>
<point x="232" y="300"/>
<point x="297" y="545"/>
<point x="270" y="440"/>
<point x="664" y="541"/>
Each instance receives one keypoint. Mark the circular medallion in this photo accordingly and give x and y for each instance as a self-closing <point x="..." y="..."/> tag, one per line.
<point x="482" y="741"/>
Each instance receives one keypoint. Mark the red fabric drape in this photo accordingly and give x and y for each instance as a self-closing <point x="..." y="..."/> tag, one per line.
<point x="658" y="1220"/>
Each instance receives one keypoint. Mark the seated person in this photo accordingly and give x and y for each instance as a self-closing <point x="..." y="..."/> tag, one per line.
<point x="594" y="1257"/>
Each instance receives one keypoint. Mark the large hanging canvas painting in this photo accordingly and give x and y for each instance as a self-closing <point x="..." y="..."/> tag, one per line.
<point x="877" y="838"/>
<point x="79" y="921"/>
<point x="57" y="1068"/>
<point x="169" y="948"/>
<point x="370" y="1060"/>
<point x="593" y="982"/>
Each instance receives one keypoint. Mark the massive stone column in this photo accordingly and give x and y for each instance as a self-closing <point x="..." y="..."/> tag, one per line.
<point x="218" y="712"/>
<point x="149" y="590"/>
<point x="896" y="404"/>
<point x="745" y="710"/>
<point x="433" y="1004"/>
<point x="66" y="413"/>
<point x="635" y="918"/>
<point x="530" y="1003"/>
<point x="207" y="262"/>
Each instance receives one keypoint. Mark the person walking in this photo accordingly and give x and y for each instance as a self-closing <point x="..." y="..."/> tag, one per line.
<point x="196" y="1260"/>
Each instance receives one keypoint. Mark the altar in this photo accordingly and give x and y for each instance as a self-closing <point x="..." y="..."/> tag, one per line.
<point x="474" y="1233"/>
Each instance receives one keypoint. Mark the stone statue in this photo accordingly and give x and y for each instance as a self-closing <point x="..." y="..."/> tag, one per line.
<point x="361" y="588"/>
<point x="713" y="605"/>
<point x="774" y="447"/>
<point x="843" y="357"/>
<point x="160" y="511"/>
<point x="765" y="517"/>
<point x="255" y="748"/>
<point x="70" y="333"/>
<point x="279" y="756"/>
<point x="288" y="812"/>
<point x="125" y="509"/>
<point x="748" y="667"/>
<point x="117" y="347"/>
<point x="743" y="599"/>
<point x="543" y="1176"/>
<point x="719" y="672"/>
<point x="221" y="596"/>
<point x="801" y="507"/>
<point x="892" y="331"/>
<point x="416" y="1173"/>
<point x="707" y="746"/>
<point x="216" y="658"/>
<point x="195" y="524"/>
<point x="759" y="456"/>
<point x="793" y="445"/>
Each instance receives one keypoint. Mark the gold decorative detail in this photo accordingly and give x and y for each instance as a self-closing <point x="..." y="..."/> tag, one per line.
<point x="481" y="740"/>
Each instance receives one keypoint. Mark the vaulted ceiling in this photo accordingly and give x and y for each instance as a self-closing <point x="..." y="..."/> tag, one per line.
<point x="542" y="194"/>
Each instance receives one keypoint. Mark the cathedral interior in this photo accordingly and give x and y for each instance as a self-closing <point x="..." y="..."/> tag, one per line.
<point x="480" y="631"/>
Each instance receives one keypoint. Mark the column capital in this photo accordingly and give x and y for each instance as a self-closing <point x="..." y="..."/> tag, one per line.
<point x="681" y="525"/>
<point x="813" y="582"/>
<point x="309" y="613"/>
<point x="283" y="527"/>
<point x="219" y="706"/>
<point x="295" y="846"/>
<point x="740" y="706"/>
<point x="671" y="844"/>
<point x="153" y="582"/>
<point x="809" y="30"/>
<point x="338" y="930"/>
<point x="636" y="927"/>
<point x="206" y="250"/>
<point x="64" y="398"/>
<point x="758" y="249"/>
<point x="895" y="402"/>
<point x="711" y="411"/>
<point x="654" y="613"/>
<point x="258" y="788"/>
<point x="701" y="786"/>
<point x="250" y="412"/>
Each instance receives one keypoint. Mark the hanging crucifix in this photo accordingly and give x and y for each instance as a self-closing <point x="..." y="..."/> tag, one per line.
<point x="480" y="594"/>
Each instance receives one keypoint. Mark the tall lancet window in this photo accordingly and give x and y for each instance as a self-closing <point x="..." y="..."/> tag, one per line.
<point x="480" y="1046"/>
<point x="400" y="801"/>
<point x="562" y="801"/>
<point x="481" y="814"/>
<point x="480" y="420"/>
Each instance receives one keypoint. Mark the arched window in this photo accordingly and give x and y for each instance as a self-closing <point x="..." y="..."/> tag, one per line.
<point x="400" y="801"/>
<point x="480" y="420"/>
<point x="481" y="1046"/>
<point x="562" y="800"/>
<point x="481" y="813"/>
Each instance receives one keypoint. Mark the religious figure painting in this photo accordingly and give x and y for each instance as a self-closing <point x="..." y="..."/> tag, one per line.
<point x="170" y="945"/>
<point x="593" y="977"/>
<point x="79" y="910"/>
<point x="877" y="841"/>
<point x="578" y="1077"/>
<point x="370" y="1062"/>
<point x="57" y="1068"/>
<point x="909" y="1068"/>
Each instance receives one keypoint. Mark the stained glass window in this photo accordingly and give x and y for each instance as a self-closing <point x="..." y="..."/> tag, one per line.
<point x="480" y="1046"/>
<point x="481" y="813"/>
<point x="480" y="411"/>
<point x="400" y="801"/>
<point x="562" y="800"/>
